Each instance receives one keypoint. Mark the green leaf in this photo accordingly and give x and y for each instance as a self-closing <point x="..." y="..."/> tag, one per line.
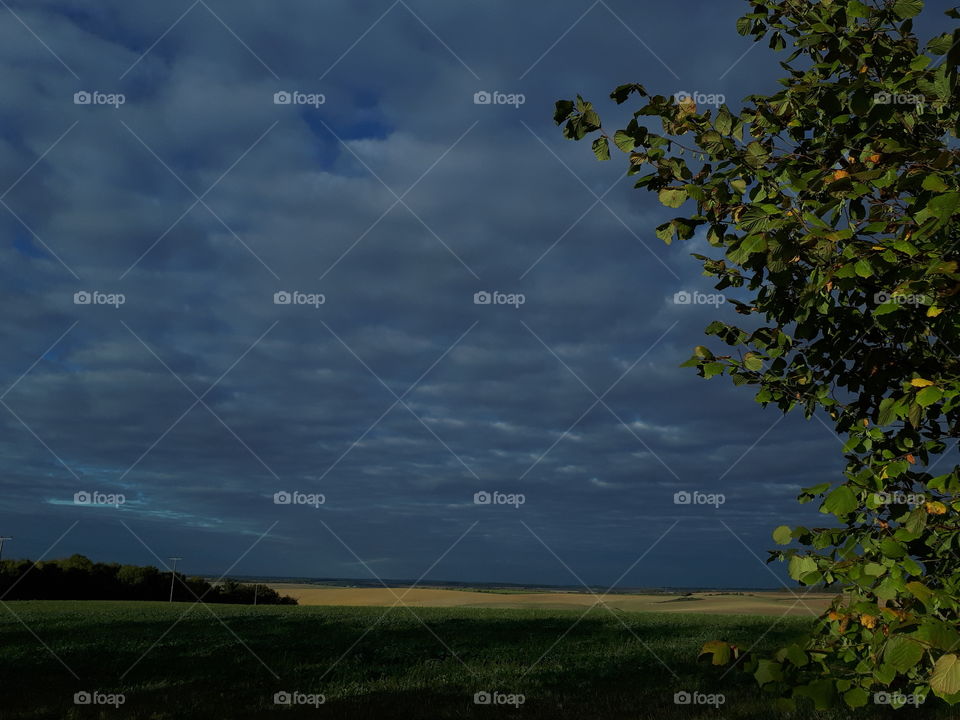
<point x="753" y="361"/>
<point x="945" y="679"/>
<point x="756" y="155"/>
<point x="857" y="697"/>
<point x="934" y="182"/>
<point x="564" y="108"/>
<point x="753" y="244"/>
<point x="902" y="653"/>
<point x="783" y="535"/>
<point x="794" y="654"/>
<point x="673" y="198"/>
<point x="929" y="395"/>
<point x="892" y="549"/>
<point x="624" y="141"/>
<point x="800" y="566"/>
<point x="768" y="671"/>
<point x="905" y="9"/>
<point x="919" y="591"/>
<point x="666" y="232"/>
<point x="937" y="634"/>
<point x="943" y="207"/>
<point x="711" y="369"/>
<point x="887" y="413"/>
<point x="623" y="92"/>
<point x="718" y="650"/>
<point x="863" y="268"/>
<point x="840" y="502"/>
<point x="724" y="123"/>
<point x="941" y="44"/>
<point x="601" y="148"/>
<point x="857" y="9"/>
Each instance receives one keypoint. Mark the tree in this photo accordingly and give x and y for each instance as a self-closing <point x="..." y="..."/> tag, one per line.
<point x="832" y="204"/>
<point x="79" y="578"/>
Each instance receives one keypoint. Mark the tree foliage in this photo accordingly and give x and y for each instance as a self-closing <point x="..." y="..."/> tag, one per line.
<point x="833" y="204"/>
<point x="79" y="578"/>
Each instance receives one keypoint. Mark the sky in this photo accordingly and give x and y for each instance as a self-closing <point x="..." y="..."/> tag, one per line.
<point x="245" y="249"/>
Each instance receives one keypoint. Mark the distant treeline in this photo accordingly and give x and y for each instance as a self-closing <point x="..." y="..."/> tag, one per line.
<point x="79" y="578"/>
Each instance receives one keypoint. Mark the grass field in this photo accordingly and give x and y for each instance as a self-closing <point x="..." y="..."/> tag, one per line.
<point x="410" y="663"/>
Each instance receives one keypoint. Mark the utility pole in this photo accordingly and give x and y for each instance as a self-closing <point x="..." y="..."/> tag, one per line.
<point x="255" y="588"/>
<point x="173" y="574"/>
<point x="2" y="539"/>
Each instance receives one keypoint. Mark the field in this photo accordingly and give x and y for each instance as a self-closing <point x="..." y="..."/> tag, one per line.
<point x="409" y="663"/>
<point x="752" y="603"/>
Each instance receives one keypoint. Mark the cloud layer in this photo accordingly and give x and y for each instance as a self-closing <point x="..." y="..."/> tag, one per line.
<point x="199" y="198"/>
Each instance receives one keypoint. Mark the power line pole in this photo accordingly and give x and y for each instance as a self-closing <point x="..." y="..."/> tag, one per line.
<point x="2" y="539"/>
<point x="173" y="574"/>
<point x="255" y="588"/>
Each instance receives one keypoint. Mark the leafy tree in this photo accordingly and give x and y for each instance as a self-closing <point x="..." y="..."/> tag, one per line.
<point x="832" y="204"/>
<point x="79" y="578"/>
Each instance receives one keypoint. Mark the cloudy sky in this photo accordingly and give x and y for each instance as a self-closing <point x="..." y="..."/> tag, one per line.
<point x="147" y="160"/>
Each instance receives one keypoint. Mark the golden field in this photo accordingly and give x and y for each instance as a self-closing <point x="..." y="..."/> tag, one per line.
<point x="751" y="603"/>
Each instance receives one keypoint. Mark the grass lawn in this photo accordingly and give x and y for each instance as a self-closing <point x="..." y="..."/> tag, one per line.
<point x="397" y="669"/>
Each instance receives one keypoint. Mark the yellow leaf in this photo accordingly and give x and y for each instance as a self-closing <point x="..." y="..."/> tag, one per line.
<point x="868" y="621"/>
<point x="935" y="508"/>
<point x="688" y="105"/>
<point x="920" y="382"/>
<point x="934" y="311"/>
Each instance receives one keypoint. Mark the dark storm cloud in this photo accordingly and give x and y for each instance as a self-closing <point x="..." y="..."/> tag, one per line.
<point x="398" y="198"/>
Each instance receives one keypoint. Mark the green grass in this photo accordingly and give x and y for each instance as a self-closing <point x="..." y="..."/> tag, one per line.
<point x="396" y="670"/>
